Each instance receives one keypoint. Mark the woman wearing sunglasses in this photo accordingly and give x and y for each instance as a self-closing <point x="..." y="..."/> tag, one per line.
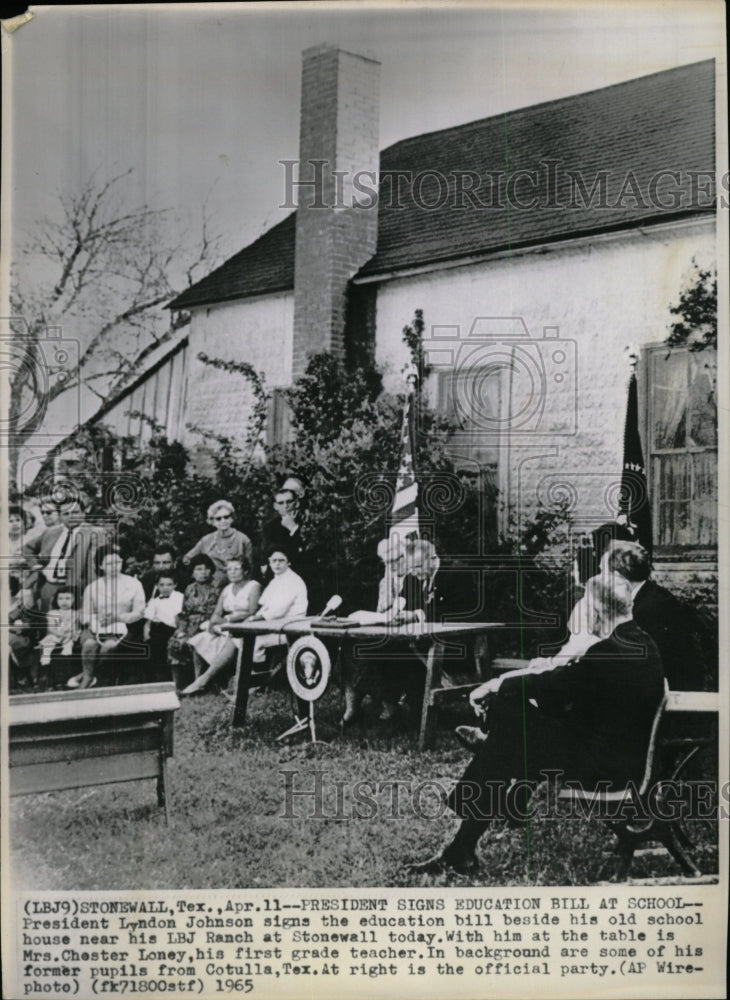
<point x="223" y="544"/>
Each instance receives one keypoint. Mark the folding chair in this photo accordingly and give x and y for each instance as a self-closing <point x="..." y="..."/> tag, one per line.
<point x="644" y="823"/>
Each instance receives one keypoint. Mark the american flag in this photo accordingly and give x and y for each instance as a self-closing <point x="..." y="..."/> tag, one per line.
<point x="404" y="520"/>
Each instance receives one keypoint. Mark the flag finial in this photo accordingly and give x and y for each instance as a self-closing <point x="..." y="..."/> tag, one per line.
<point x="631" y="354"/>
<point x="410" y="377"/>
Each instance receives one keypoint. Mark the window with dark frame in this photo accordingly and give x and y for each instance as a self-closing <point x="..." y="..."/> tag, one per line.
<point x="681" y="446"/>
<point x="471" y="399"/>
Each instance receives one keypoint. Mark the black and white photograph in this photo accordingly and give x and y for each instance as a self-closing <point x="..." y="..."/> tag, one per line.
<point x="364" y="487"/>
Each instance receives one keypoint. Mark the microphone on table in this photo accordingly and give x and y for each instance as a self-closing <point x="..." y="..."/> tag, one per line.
<point x="332" y="605"/>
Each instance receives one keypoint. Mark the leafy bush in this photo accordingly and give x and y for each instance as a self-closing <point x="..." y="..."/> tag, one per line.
<point x="696" y="312"/>
<point x="346" y="446"/>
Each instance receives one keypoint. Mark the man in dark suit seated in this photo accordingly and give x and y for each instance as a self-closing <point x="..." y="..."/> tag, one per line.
<point x="428" y="594"/>
<point x="673" y="626"/>
<point x="414" y="588"/>
<point x="65" y="554"/>
<point x="453" y="593"/>
<point x="437" y="593"/>
<point x="590" y="720"/>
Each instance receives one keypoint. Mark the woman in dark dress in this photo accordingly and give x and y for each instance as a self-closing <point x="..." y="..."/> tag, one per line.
<point x="201" y="597"/>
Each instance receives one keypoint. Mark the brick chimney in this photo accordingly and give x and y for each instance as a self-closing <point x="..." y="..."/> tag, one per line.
<point x="340" y="128"/>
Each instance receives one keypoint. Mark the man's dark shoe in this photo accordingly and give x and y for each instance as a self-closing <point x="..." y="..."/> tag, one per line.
<point x="470" y="737"/>
<point x="443" y="862"/>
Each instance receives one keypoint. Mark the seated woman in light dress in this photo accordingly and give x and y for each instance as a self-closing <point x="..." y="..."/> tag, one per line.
<point x="284" y="598"/>
<point x="213" y="649"/>
<point x="111" y="604"/>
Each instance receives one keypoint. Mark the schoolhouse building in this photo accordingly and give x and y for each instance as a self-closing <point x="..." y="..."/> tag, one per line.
<point x="538" y="244"/>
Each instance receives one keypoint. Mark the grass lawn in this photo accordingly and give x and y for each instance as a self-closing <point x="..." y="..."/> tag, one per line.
<point x="229" y="828"/>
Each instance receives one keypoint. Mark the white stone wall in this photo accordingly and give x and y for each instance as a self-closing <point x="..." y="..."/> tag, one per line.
<point x="580" y="305"/>
<point x="572" y="311"/>
<point x="257" y="330"/>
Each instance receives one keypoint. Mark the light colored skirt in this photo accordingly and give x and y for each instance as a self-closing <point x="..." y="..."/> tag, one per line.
<point x="211" y="647"/>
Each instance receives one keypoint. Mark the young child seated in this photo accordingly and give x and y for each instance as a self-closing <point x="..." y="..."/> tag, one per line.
<point x="160" y="623"/>
<point x="63" y="625"/>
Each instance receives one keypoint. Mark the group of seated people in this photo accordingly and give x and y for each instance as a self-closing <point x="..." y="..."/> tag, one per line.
<point x="585" y="711"/>
<point x="77" y="620"/>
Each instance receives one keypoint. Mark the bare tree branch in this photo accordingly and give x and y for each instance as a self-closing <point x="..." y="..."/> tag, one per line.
<point x="102" y="271"/>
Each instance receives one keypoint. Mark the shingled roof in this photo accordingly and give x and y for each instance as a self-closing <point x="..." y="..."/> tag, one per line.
<point x="264" y="266"/>
<point x="627" y="138"/>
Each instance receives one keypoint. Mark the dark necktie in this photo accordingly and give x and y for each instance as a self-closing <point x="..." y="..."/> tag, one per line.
<point x="59" y="572"/>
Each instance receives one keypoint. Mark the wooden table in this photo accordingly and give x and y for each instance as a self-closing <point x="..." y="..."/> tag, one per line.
<point x="435" y="645"/>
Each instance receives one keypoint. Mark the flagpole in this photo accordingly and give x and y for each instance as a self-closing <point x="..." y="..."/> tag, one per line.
<point x="404" y="515"/>
<point x="632" y="357"/>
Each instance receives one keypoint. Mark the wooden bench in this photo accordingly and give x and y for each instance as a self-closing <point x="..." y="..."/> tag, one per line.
<point x="71" y="739"/>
